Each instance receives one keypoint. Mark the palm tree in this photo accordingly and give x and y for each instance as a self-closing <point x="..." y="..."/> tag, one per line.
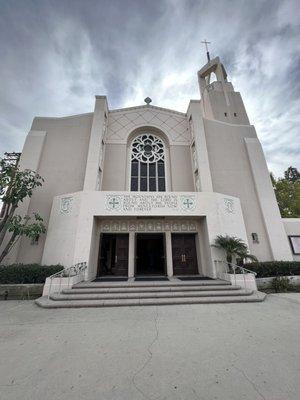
<point x="233" y="247"/>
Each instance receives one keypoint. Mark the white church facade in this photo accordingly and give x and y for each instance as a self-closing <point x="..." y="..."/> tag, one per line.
<point x="145" y="190"/>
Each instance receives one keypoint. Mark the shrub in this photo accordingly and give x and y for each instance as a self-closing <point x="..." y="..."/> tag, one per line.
<point x="274" y="268"/>
<point x="27" y="273"/>
<point x="281" y="284"/>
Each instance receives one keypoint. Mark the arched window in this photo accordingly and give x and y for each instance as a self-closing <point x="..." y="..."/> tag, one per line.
<point x="148" y="164"/>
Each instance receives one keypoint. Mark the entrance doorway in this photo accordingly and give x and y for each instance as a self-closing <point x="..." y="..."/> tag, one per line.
<point x="184" y="254"/>
<point x="113" y="252"/>
<point x="150" y="254"/>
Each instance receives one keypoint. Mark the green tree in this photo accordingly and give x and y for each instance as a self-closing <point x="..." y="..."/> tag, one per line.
<point x="23" y="226"/>
<point x="15" y="186"/>
<point x="287" y="191"/>
<point x="233" y="247"/>
<point x="292" y="174"/>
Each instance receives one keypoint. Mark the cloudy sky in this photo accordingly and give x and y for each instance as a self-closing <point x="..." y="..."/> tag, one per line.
<point x="57" y="54"/>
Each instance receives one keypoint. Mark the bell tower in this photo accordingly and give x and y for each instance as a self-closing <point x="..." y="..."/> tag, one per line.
<point x="220" y="101"/>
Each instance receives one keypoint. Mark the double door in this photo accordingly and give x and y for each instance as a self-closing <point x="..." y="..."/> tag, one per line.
<point x="114" y="255"/>
<point x="184" y="254"/>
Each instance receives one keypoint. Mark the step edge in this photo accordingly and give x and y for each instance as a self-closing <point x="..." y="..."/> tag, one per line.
<point x="159" y="295"/>
<point x="148" y="289"/>
<point x="218" y="300"/>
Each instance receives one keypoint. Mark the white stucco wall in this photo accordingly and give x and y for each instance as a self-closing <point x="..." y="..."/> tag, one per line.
<point x="115" y="167"/>
<point x="231" y="174"/>
<point x="218" y="102"/>
<point x="268" y="204"/>
<point x="62" y="164"/>
<point x="198" y="139"/>
<point x="96" y="147"/>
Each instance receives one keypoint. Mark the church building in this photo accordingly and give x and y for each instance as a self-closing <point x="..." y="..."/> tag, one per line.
<point x="145" y="190"/>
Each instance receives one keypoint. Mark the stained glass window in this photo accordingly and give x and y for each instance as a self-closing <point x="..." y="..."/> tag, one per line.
<point x="148" y="164"/>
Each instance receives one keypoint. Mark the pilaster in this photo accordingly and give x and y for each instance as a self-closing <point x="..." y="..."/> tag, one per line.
<point x="272" y="219"/>
<point x="199" y="140"/>
<point x="131" y="253"/>
<point x="93" y="173"/>
<point x="169" y="253"/>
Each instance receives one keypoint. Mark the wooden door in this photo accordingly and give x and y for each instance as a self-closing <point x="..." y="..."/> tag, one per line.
<point x="120" y="262"/>
<point x="184" y="254"/>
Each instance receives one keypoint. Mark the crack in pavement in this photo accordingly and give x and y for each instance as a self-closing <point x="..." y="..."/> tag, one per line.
<point x="251" y="383"/>
<point x="149" y="358"/>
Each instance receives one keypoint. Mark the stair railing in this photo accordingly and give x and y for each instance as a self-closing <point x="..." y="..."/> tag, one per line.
<point x="227" y="267"/>
<point x="75" y="270"/>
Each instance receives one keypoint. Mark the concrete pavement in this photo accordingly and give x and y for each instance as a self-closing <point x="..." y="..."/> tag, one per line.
<point x="209" y="352"/>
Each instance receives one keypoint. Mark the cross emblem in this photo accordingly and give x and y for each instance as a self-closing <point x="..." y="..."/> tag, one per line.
<point x="113" y="203"/>
<point x="188" y="203"/>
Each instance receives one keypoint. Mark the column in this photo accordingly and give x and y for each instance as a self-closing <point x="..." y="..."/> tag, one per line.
<point x="131" y="254"/>
<point x="169" y="253"/>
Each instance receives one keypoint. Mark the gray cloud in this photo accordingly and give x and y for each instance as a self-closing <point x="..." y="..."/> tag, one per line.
<point x="55" y="55"/>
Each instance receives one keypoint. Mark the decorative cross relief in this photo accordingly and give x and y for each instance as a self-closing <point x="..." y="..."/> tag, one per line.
<point x="148" y="226"/>
<point x="229" y="205"/>
<point x="150" y="202"/>
<point x="66" y="205"/>
<point x="114" y="202"/>
<point x="188" y="203"/>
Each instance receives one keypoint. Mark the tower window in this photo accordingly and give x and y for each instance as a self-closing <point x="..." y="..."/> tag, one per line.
<point x="148" y="164"/>
<point x="235" y="114"/>
<point x="225" y="114"/>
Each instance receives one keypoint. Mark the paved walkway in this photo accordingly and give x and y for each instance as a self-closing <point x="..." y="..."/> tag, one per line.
<point x="209" y="352"/>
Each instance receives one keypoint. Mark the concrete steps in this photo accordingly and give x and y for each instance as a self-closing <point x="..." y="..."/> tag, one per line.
<point x="148" y="295"/>
<point x="134" y="284"/>
<point x="149" y="289"/>
<point x="116" y="294"/>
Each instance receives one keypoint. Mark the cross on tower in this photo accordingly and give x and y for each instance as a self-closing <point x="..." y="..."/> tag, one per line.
<point x="205" y="42"/>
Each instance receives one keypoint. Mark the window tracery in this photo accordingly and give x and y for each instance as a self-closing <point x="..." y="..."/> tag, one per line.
<point x="147" y="164"/>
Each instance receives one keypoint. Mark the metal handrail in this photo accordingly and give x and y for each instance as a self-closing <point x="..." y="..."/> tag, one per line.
<point x="74" y="270"/>
<point x="234" y="266"/>
<point x="227" y="264"/>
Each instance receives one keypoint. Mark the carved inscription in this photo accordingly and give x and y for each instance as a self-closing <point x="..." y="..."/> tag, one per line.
<point x="149" y="202"/>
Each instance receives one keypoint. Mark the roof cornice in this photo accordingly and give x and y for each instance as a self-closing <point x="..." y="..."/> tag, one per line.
<point x="147" y="107"/>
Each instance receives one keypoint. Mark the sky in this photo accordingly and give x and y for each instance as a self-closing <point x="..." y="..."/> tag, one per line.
<point x="56" y="55"/>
